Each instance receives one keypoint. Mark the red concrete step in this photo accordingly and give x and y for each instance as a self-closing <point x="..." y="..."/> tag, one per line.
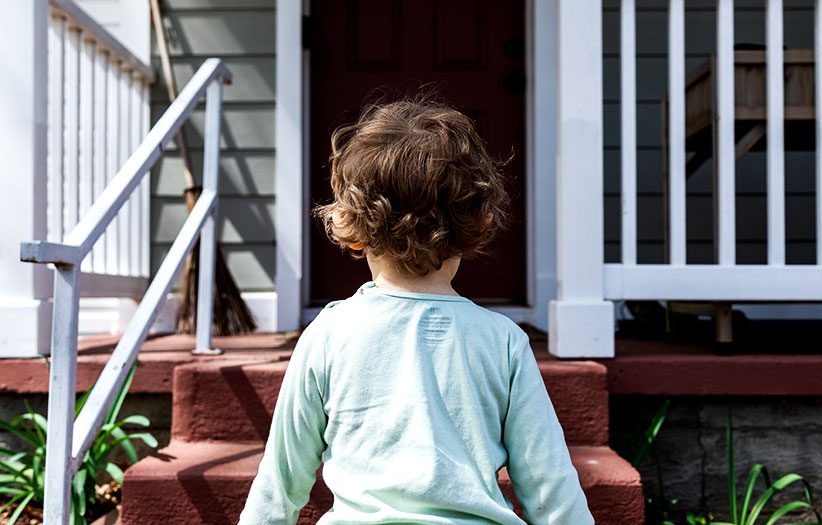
<point x="199" y="483"/>
<point x="234" y="401"/>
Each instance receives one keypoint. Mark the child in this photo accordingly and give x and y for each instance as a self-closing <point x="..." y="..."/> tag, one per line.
<point x="411" y="396"/>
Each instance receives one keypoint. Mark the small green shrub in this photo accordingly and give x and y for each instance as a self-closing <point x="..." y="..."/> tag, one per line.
<point x="659" y="508"/>
<point x="22" y="473"/>
<point x="751" y="511"/>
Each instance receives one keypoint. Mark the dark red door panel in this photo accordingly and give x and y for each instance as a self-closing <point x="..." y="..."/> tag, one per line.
<point x="468" y="51"/>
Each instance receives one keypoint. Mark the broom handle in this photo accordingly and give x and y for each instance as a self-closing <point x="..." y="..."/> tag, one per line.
<point x="168" y="76"/>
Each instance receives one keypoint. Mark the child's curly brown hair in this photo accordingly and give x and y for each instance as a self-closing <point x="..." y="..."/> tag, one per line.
<point x="413" y="183"/>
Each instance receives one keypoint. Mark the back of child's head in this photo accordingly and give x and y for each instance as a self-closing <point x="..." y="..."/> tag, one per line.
<point x="413" y="184"/>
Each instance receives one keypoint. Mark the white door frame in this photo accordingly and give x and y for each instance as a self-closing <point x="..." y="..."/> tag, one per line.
<point x="292" y="206"/>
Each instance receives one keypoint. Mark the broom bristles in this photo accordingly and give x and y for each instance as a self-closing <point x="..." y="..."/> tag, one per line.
<point x="231" y="315"/>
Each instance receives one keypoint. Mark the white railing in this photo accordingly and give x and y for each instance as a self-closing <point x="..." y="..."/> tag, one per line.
<point x="582" y="328"/>
<point x="74" y="104"/>
<point x="726" y="280"/>
<point x="98" y="111"/>
<point x="69" y="439"/>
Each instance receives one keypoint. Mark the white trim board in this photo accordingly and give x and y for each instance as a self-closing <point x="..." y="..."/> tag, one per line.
<point x="289" y="184"/>
<point x="697" y="282"/>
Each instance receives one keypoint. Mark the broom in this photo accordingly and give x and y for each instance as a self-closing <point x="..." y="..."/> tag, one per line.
<point x="231" y="314"/>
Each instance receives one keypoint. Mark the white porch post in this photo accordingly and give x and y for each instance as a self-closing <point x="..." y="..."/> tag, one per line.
<point x="25" y="315"/>
<point x="289" y="209"/>
<point x="581" y="321"/>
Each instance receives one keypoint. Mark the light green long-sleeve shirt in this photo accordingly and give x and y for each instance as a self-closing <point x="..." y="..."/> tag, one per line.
<point x="413" y="402"/>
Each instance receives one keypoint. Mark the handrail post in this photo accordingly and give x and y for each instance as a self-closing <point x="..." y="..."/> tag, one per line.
<point x="211" y="170"/>
<point x="62" y="378"/>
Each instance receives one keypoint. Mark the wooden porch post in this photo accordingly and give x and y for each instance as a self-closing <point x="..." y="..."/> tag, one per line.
<point x="581" y="321"/>
<point x="25" y="314"/>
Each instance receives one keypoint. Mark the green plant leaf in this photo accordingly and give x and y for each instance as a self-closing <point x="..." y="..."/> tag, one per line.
<point x="785" y="509"/>
<point x="145" y="437"/>
<point x="758" y="471"/>
<point x="729" y="445"/>
<point x="39" y="422"/>
<point x="24" y="425"/>
<point x="98" y="446"/>
<point x="136" y="420"/>
<point x="13" y="466"/>
<point x="19" y="510"/>
<point x="650" y="434"/>
<point x="111" y="417"/>
<point x="126" y="445"/>
<point x="23" y="435"/>
<point x="115" y="472"/>
<point x="11" y="502"/>
<point x="78" y="485"/>
<point x="81" y="402"/>
<point x="779" y="485"/>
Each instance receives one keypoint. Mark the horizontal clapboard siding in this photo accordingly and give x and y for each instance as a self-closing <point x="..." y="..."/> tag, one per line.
<point x="241" y="32"/>
<point x="651" y="86"/>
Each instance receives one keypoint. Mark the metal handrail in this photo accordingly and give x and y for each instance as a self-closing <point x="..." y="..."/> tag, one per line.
<point x="68" y="440"/>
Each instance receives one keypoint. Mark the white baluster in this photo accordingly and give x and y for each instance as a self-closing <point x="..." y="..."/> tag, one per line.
<point x="775" y="96"/>
<point x="725" y="160"/>
<point x="113" y="159"/>
<point x="135" y="202"/>
<point x="100" y="98"/>
<point x="57" y="43"/>
<point x="71" y="127"/>
<point x="676" y="131"/>
<point x="145" y="190"/>
<point x="87" y="73"/>
<point x="818" y="98"/>
<point x="628" y="144"/>
<point x="123" y="257"/>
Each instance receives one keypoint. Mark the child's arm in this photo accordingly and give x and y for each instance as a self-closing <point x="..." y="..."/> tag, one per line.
<point x="545" y="481"/>
<point x="295" y="445"/>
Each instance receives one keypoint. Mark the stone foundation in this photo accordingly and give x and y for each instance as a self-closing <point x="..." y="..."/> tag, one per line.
<point x="783" y="433"/>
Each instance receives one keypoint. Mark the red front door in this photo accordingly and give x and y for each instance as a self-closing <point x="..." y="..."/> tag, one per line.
<point x="469" y="51"/>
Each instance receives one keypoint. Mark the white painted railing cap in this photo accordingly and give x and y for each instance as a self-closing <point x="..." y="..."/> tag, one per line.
<point x="221" y="72"/>
<point x="49" y="252"/>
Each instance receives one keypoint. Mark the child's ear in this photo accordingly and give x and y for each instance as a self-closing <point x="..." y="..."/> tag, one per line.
<point x="356" y="246"/>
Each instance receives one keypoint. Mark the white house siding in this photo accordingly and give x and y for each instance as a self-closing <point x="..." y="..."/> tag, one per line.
<point x="241" y="32"/>
<point x="128" y="20"/>
<point x="700" y="41"/>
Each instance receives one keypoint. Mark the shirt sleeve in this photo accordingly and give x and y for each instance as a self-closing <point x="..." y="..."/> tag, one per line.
<point x="539" y="464"/>
<point x="293" y="452"/>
